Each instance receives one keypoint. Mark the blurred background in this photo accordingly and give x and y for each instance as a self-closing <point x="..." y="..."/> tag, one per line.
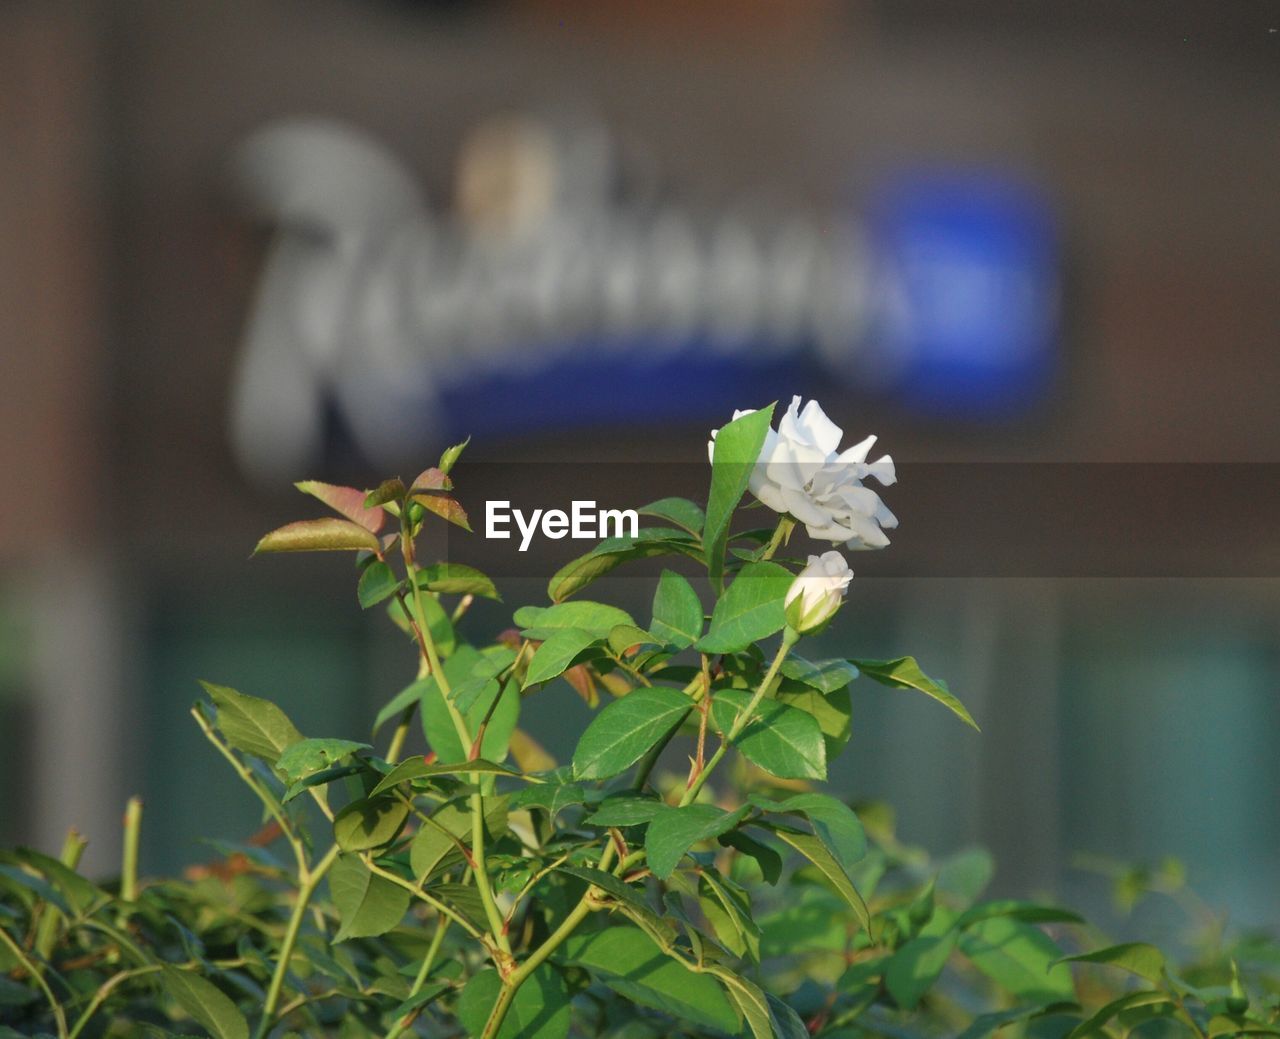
<point x="244" y="242"/>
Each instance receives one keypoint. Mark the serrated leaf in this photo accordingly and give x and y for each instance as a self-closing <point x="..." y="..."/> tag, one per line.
<point x="782" y="740"/>
<point x="445" y="507"/>
<point x="419" y="768"/>
<point x="449" y="457"/>
<point x="551" y="797"/>
<point x="319" y="535"/>
<point x="625" y="810"/>
<point x="905" y="673"/>
<point x="1027" y="912"/>
<point x="432" y="479"/>
<point x="832" y="711"/>
<point x="751" y="609"/>
<point x="733" y="458"/>
<point x="769" y="861"/>
<point x="398" y="704"/>
<point x="377" y="582"/>
<point x="347" y="501"/>
<point x="541" y="622"/>
<point x="626" y="637"/>
<point x="826" y="676"/>
<point x="369" y="823"/>
<point x="1146" y="961"/>
<point x="612" y="553"/>
<point x="309" y="756"/>
<point x="673" y="831"/>
<point x="253" y="725"/>
<point x="834" y="822"/>
<point x="630" y="963"/>
<point x="677" y="612"/>
<point x="367" y="904"/>
<point x="680" y="511"/>
<point x="626" y="729"/>
<point x="813" y="849"/>
<point x="457" y="579"/>
<point x="205" y="1002"/>
<point x="540" y="1009"/>
<point x="556" y="654"/>
<point x="437" y="722"/>
<point x="392" y="490"/>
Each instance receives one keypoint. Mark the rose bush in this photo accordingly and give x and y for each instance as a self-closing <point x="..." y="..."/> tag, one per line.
<point x="682" y="875"/>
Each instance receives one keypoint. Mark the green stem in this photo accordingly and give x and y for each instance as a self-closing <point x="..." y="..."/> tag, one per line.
<point x="36" y="976"/>
<point x="492" y="915"/>
<point x="789" y="639"/>
<point x="309" y="880"/>
<point x="781" y="534"/>
<point x="50" y="917"/>
<point x="539" y="956"/>
<point x="428" y="961"/>
<point x="129" y="863"/>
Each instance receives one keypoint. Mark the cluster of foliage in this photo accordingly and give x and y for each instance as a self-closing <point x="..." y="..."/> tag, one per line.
<point x="484" y="890"/>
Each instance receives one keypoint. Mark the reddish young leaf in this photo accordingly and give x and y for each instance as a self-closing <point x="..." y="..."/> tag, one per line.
<point x="445" y="507"/>
<point x="387" y="491"/>
<point x="347" y="501"/>
<point x="318" y="535"/>
<point x="431" y="480"/>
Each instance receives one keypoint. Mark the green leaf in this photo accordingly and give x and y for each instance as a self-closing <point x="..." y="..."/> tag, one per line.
<point x="437" y="722"/>
<point x="751" y="1002"/>
<point x="369" y="823"/>
<point x="813" y="849"/>
<point x="629" y="962"/>
<point x="832" y="712"/>
<point x="347" y="501"/>
<point x="319" y="535"/>
<point x="827" y="676"/>
<point x="612" y="553"/>
<point x="769" y="861"/>
<point x="306" y="757"/>
<point x="556" y="654"/>
<point x="367" y="904"/>
<point x="629" y="898"/>
<point x="677" y="612"/>
<point x="419" y="768"/>
<point x="625" y="810"/>
<point x="377" y="582"/>
<point x="735" y="455"/>
<point x="205" y="1002"/>
<point x="680" y="511"/>
<point x="457" y="579"/>
<point x="905" y="673"/>
<point x="782" y="740"/>
<point x="448" y="828"/>
<point x="727" y="908"/>
<point x="1019" y="957"/>
<point x="1093" y="1026"/>
<point x="625" y="637"/>
<point x="255" y="726"/>
<point x="449" y="457"/>
<point x="674" y="831"/>
<point x="912" y="969"/>
<point x="988" y="1024"/>
<point x="551" y="797"/>
<point x="1146" y="961"/>
<point x="398" y="704"/>
<point x="750" y="610"/>
<point x="438" y="623"/>
<point x="834" y="822"/>
<point x="540" y="1009"/>
<point x="626" y="729"/>
<point x="541" y="622"/>
<point x="1027" y="912"/>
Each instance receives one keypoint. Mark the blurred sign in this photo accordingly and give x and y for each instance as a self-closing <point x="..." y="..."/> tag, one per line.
<point x="557" y="290"/>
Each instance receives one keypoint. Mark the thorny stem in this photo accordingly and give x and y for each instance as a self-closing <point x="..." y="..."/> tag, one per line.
<point x="309" y="879"/>
<point x="789" y="639"/>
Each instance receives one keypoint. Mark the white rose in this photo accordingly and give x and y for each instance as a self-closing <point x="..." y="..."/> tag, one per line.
<point x="817" y="592"/>
<point x="801" y="471"/>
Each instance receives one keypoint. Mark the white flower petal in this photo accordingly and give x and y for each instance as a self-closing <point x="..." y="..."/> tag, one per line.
<point x="819" y="429"/>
